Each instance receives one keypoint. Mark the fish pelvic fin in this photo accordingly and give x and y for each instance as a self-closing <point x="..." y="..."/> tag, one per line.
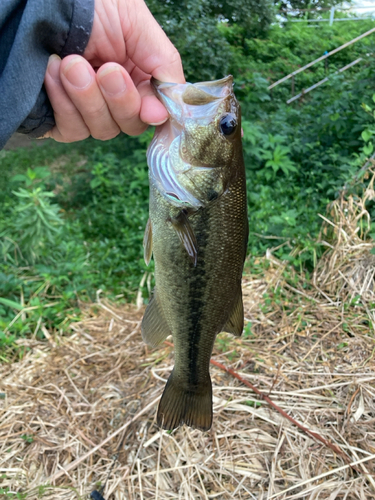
<point x="154" y="326"/>
<point x="180" y="405"/>
<point x="147" y="243"/>
<point x="235" y="323"/>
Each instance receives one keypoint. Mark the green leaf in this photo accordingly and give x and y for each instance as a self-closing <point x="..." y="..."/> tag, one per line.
<point x="366" y="135"/>
<point x="368" y="149"/>
<point x="343" y="344"/>
<point x="41" y="172"/>
<point x="366" y="108"/>
<point x="28" y="438"/>
<point x="18" y="178"/>
<point x="95" y="183"/>
<point x="11" y="303"/>
<point x="247" y="330"/>
<point x="31" y="174"/>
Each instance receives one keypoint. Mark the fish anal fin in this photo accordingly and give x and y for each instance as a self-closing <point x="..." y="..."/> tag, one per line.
<point x="147" y="243"/>
<point x="235" y="322"/>
<point x="154" y="325"/>
<point x="185" y="405"/>
<point x="185" y="232"/>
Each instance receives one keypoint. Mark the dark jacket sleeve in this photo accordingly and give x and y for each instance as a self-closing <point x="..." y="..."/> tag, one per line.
<point x="30" y="31"/>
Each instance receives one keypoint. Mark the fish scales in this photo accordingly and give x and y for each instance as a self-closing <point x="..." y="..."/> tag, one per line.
<point x="197" y="294"/>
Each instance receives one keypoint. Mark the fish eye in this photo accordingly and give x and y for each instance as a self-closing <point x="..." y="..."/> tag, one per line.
<point x="228" y="124"/>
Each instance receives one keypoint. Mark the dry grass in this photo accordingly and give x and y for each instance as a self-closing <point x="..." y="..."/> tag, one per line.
<point x="74" y="402"/>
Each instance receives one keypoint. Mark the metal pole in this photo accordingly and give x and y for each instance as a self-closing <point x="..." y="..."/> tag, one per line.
<point x="332" y="16"/>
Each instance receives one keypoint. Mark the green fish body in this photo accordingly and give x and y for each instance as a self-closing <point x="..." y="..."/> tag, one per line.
<point x="197" y="232"/>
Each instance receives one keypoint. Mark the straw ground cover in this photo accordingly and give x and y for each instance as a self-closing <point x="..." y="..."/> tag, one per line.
<point x="73" y="403"/>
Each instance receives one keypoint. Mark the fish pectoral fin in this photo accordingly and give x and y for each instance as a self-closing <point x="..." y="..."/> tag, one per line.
<point x="185" y="232"/>
<point x="147" y="243"/>
<point x="154" y="325"/>
<point x="235" y="322"/>
<point x="185" y="405"/>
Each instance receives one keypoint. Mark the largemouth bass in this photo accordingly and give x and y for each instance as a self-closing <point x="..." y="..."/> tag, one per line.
<point x="197" y="232"/>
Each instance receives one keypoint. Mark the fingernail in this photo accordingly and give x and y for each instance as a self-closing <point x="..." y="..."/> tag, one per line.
<point x="112" y="81"/>
<point x="53" y="67"/>
<point x="159" y="123"/>
<point x="77" y="73"/>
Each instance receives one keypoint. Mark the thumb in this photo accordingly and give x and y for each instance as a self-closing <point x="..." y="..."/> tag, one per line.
<point x="147" y="45"/>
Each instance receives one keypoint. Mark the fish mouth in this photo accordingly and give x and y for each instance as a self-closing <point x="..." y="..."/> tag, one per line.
<point x="212" y="87"/>
<point x="189" y="106"/>
<point x="184" y="100"/>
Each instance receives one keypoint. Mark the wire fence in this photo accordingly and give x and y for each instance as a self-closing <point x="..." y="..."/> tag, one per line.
<point x="306" y="91"/>
<point x="322" y="58"/>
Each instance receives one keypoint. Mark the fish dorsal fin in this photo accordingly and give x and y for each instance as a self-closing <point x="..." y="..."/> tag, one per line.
<point x="154" y="325"/>
<point x="147" y="243"/>
<point x="185" y="232"/>
<point x="235" y="322"/>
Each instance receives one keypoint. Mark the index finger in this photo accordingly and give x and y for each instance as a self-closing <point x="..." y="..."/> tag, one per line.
<point x="147" y="45"/>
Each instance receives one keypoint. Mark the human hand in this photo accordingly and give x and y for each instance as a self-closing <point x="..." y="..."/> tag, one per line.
<point x="119" y="95"/>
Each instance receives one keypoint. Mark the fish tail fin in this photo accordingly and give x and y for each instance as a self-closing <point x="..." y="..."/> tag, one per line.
<point x="180" y="405"/>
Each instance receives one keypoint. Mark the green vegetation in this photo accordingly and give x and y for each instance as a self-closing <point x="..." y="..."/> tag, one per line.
<point x="72" y="216"/>
<point x="28" y="438"/>
<point x="12" y="494"/>
<point x="72" y="222"/>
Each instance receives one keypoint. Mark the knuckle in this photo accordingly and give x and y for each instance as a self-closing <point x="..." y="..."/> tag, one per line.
<point x="128" y="116"/>
<point x="74" y="137"/>
<point x="135" y="130"/>
<point x="64" y="117"/>
<point x="96" y="113"/>
<point x="82" y="136"/>
<point x="105" y="135"/>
